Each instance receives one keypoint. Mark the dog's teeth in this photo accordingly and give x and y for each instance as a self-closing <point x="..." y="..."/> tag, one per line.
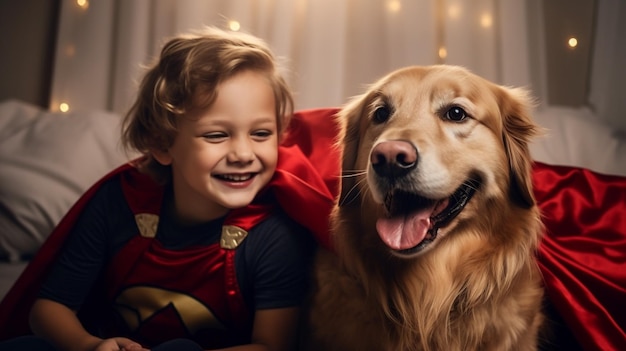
<point x="388" y="201"/>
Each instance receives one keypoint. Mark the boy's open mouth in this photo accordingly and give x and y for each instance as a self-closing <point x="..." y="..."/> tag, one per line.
<point x="235" y="177"/>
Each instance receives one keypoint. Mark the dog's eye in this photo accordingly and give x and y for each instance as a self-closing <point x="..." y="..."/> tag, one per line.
<point x="381" y="114"/>
<point x="456" y="114"/>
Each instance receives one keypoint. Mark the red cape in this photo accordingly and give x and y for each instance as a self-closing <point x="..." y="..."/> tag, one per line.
<point x="305" y="192"/>
<point x="582" y="256"/>
<point x="583" y="252"/>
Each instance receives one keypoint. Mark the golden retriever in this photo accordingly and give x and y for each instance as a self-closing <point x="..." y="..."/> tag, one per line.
<point x="436" y="226"/>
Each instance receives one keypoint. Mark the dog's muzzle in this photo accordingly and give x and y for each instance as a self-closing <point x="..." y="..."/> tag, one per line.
<point x="413" y="221"/>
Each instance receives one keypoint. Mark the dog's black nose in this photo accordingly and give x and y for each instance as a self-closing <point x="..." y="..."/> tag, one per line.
<point x="393" y="159"/>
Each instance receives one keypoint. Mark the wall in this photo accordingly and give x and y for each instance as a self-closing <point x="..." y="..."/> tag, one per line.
<point x="568" y="67"/>
<point x="27" y="42"/>
<point x="29" y="30"/>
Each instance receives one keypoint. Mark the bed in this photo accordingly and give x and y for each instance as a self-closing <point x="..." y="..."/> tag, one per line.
<point x="48" y="159"/>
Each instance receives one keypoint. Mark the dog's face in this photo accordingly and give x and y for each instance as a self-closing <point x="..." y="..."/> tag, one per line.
<point x="427" y="148"/>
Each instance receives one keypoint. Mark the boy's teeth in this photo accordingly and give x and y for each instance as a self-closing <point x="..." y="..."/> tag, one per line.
<point x="236" y="177"/>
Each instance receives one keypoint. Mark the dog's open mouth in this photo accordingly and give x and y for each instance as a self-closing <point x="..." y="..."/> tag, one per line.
<point x="413" y="220"/>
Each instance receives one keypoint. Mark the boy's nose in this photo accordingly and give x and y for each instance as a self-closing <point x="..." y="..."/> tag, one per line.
<point x="242" y="151"/>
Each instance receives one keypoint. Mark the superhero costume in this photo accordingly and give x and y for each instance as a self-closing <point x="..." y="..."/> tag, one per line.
<point x="581" y="256"/>
<point x="147" y="282"/>
<point x="303" y="192"/>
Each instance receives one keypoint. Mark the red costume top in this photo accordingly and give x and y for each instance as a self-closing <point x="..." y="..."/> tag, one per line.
<point x="582" y="255"/>
<point x="304" y="193"/>
<point x="148" y="284"/>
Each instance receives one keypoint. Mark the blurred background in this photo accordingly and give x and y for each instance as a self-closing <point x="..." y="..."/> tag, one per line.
<point x="88" y="54"/>
<point x="69" y="71"/>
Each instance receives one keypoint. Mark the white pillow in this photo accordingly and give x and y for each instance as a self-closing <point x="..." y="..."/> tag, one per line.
<point x="47" y="160"/>
<point x="576" y="137"/>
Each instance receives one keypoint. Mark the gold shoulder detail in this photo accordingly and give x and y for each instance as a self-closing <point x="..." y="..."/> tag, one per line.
<point x="232" y="236"/>
<point x="147" y="224"/>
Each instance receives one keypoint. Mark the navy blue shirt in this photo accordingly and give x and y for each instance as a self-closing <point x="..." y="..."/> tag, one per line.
<point x="272" y="263"/>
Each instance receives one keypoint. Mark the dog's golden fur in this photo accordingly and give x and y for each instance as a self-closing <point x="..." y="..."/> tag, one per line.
<point x="476" y="286"/>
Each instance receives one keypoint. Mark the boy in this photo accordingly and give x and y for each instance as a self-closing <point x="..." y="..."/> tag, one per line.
<point x="187" y="248"/>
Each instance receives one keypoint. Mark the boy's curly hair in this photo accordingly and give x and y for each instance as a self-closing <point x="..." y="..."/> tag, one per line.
<point x="185" y="77"/>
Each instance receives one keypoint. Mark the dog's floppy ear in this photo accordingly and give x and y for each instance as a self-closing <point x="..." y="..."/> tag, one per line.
<point x="518" y="129"/>
<point x="349" y="139"/>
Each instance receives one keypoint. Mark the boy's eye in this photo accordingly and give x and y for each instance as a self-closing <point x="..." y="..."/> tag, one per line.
<point x="262" y="134"/>
<point x="215" y="136"/>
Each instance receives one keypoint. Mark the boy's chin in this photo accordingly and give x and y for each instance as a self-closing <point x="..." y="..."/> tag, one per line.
<point x="235" y="202"/>
<point x="238" y="198"/>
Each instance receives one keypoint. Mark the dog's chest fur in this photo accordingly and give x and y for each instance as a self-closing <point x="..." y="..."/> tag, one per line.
<point x="440" y="302"/>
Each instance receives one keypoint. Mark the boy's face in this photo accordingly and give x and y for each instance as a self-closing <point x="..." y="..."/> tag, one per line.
<point x="223" y="155"/>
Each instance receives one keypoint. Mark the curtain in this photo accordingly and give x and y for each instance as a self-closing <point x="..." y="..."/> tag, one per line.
<point x="607" y="94"/>
<point x="331" y="49"/>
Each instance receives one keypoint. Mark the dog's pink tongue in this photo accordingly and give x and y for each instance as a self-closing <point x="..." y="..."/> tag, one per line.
<point x="405" y="232"/>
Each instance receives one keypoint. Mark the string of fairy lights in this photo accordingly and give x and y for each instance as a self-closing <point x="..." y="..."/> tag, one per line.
<point x="452" y="11"/>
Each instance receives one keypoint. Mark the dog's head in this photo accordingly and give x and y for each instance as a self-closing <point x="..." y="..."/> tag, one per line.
<point x="425" y="144"/>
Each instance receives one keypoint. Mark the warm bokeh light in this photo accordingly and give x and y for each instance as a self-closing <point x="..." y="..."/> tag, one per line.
<point x="394" y="6"/>
<point x="234" y="26"/>
<point x="64" y="107"/>
<point x="454" y="11"/>
<point x="70" y="50"/>
<point x="486" y="21"/>
<point x="443" y="53"/>
<point x="572" y="42"/>
<point x="83" y="4"/>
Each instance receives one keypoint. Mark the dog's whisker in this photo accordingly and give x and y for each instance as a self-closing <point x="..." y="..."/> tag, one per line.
<point x="353" y="192"/>
<point x="470" y="184"/>
<point x="359" y="183"/>
<point x="352" y="174"/>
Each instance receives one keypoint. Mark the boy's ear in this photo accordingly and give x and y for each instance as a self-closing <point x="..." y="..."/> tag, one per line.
<point x="162" y="156"/>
